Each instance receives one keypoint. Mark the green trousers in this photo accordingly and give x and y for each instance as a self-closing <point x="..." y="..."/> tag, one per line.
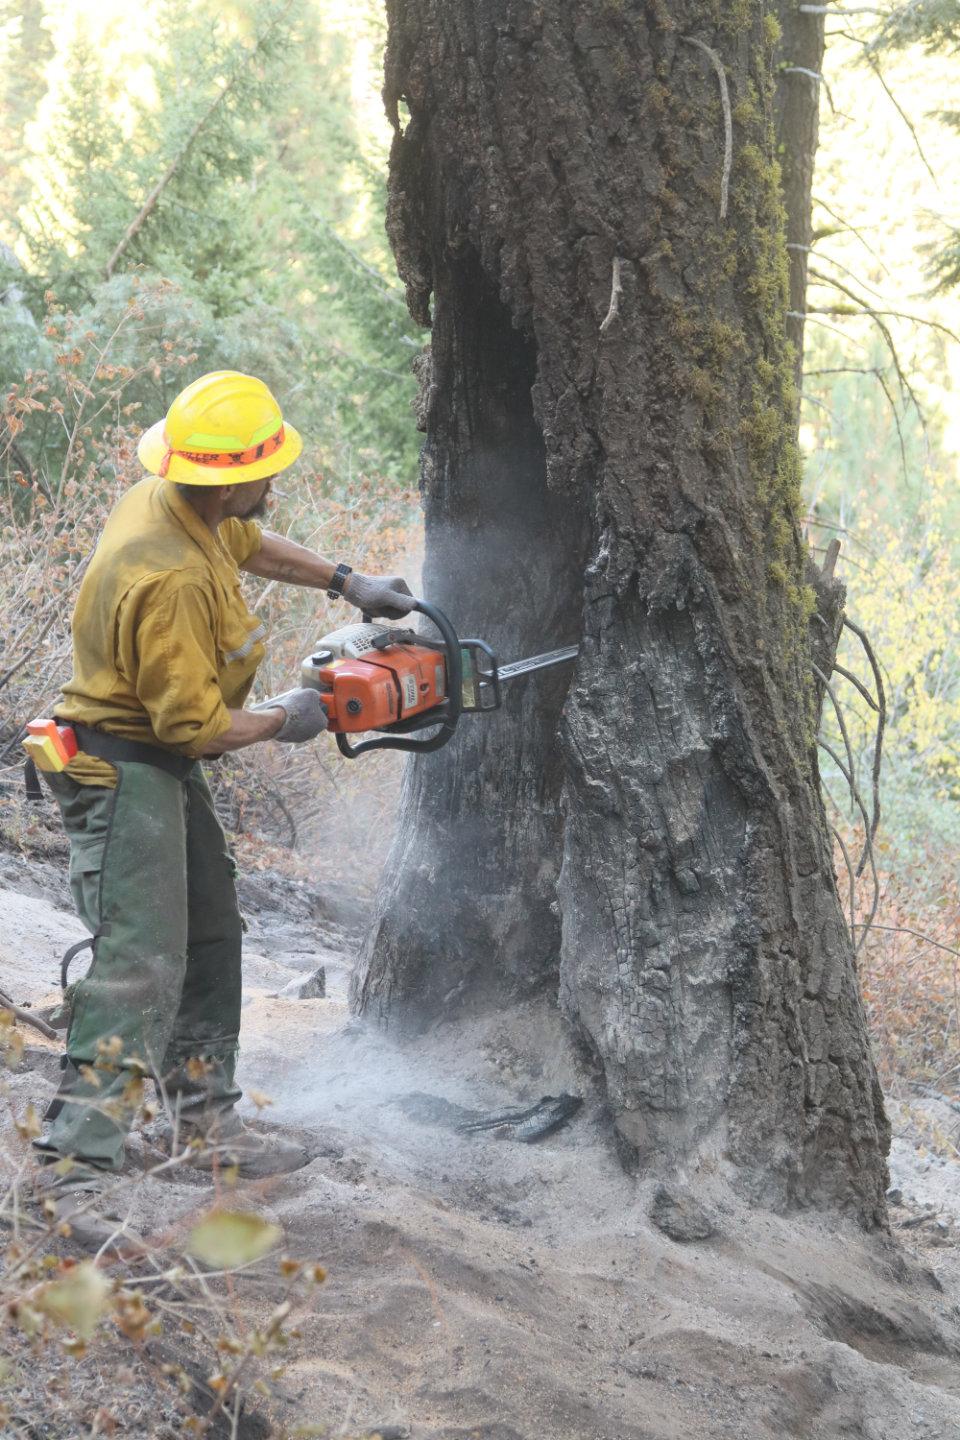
<point x="154" y="882"/>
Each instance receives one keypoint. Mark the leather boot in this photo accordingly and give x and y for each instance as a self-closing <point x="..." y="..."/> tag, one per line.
<point x="226" y="1142"/>
<point x="76" y="1198"/>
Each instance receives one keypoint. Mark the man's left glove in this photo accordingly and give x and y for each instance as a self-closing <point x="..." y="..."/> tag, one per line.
<point x="305" y="714"/>
<point x="386" y="596"/>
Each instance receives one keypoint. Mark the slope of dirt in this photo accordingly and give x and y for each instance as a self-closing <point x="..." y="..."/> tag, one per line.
<point x="481" y="1289"/>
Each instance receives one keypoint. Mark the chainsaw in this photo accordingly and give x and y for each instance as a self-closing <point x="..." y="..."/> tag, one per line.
<point x="397" y="682"/>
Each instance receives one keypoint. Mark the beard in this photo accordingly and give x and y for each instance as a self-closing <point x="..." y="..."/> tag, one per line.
<point x="258" y="509"/>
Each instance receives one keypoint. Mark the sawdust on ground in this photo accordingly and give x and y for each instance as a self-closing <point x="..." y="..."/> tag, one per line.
<point x="484" y="1290"/>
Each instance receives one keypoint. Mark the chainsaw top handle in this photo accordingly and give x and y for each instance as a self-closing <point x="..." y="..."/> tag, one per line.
<point x="444" y="716"/>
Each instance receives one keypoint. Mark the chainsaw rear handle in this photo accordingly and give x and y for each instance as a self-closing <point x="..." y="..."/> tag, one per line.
<point x="445" y="717"/>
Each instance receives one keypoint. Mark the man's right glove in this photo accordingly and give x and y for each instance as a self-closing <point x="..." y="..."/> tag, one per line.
<point x="387" y="596"/>
<point x="305" y="714"/>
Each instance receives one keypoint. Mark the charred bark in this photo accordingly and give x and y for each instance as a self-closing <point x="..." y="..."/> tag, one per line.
<point x="470" y="911"/>
<point x="612" y="373"/>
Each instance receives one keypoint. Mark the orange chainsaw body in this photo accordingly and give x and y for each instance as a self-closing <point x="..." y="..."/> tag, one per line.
<point x="391" y="685"/>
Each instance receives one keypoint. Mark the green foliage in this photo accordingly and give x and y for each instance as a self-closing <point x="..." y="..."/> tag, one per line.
<point x="934" y="24"/>
<point x="226" y="171"/>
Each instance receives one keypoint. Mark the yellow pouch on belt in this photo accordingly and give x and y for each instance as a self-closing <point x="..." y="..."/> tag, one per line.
<point x="50" y="746"/>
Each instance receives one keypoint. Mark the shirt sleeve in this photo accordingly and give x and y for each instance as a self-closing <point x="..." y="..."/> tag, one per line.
<point x="242" y="539"/>
<point x="168" y="648"/>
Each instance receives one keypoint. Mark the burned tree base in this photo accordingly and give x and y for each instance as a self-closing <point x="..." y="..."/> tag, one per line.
<point x="590" y="197"/>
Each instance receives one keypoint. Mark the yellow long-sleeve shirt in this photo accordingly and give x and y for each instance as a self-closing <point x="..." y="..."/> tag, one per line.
<point x="163" y="642"/>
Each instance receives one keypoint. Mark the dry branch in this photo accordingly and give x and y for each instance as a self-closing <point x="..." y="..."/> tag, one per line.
<point x="816" y="317"/>
<point x="851" y="882"/>
<point x="872" y="62"/>
<point x="813" y="75"/>
<point x="877" y="316"/>
<point x="840" y="10"/>
<point x="829" y="259"/>
<point x="852" y="229"/>
<point x="917" y="934"/>
<point x="717" y="64"/>
<point x="858" y="684"/>
<point x="616" y="290"/>
<point x="8" y="675"/>
<point x="839" y="714"/>
<point x="895" y="314"/>
<point x="867" y="837"/>
<point x="881" y="720"/>
<point x="27" y="1018"/>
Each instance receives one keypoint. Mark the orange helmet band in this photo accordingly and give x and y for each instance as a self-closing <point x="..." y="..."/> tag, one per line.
<point x="225" y="460"/>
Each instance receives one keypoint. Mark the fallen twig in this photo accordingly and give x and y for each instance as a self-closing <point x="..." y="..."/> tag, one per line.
<point x="18" y="1012"/>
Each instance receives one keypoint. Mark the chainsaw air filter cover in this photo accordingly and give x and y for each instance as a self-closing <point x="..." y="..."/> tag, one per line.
<point x="370" y="680"/>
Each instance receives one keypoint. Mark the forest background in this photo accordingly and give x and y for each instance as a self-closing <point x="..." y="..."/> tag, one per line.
<point x="191" y="186"/>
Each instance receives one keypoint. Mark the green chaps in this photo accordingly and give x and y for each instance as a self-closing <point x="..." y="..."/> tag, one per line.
<point x="153" y="880"/>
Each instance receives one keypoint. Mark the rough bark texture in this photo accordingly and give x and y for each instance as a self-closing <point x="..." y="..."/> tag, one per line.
<point x="623" y="465"/>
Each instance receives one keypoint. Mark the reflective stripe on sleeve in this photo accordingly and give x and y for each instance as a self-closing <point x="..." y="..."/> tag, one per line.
<point x="252" y="639"/>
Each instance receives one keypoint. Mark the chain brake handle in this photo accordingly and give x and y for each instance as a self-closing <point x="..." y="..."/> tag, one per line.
<point x="444" y="716"/>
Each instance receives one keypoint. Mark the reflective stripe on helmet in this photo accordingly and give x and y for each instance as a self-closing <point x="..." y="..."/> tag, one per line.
<point x="225" y="459"/>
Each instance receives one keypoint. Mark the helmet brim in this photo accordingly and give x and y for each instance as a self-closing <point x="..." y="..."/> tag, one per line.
<point x="152" y="451"/>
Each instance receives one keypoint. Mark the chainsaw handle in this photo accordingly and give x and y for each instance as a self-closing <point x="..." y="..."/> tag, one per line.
<point x="452" y="709"/>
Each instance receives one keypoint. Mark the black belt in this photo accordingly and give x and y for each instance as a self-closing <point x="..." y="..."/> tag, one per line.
<point x="133" y="752"/>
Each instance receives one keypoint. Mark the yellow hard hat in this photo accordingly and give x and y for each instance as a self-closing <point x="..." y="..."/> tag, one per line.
<point x="223" y="429"/>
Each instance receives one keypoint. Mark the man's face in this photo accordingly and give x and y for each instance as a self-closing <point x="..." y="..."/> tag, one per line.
<point x="249" y="502"/>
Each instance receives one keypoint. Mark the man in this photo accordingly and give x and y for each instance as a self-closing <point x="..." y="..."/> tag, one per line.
<point x="165" y="653"/>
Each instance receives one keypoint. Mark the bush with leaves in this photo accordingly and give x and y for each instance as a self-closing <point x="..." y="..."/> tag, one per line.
<point x="169" y="1330"/>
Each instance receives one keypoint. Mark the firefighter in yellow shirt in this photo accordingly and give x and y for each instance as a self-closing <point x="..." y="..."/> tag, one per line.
<point x="165" y="652"/>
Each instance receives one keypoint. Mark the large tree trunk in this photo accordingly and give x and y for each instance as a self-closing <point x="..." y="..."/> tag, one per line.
<point x="611" y="452"/>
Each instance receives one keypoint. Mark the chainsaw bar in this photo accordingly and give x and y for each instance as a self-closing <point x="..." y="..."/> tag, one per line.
<point x="538" y="662"/>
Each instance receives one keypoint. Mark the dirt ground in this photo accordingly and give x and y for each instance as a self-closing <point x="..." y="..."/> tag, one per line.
<point x="481" y="1289"/>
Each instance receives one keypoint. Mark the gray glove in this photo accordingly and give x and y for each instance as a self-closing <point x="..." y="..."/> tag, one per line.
<point x="387" y="596"/>
<point x="305" y="714"/>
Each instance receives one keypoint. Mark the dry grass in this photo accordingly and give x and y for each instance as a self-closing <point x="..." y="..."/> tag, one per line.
<point x="909" y="975"/>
